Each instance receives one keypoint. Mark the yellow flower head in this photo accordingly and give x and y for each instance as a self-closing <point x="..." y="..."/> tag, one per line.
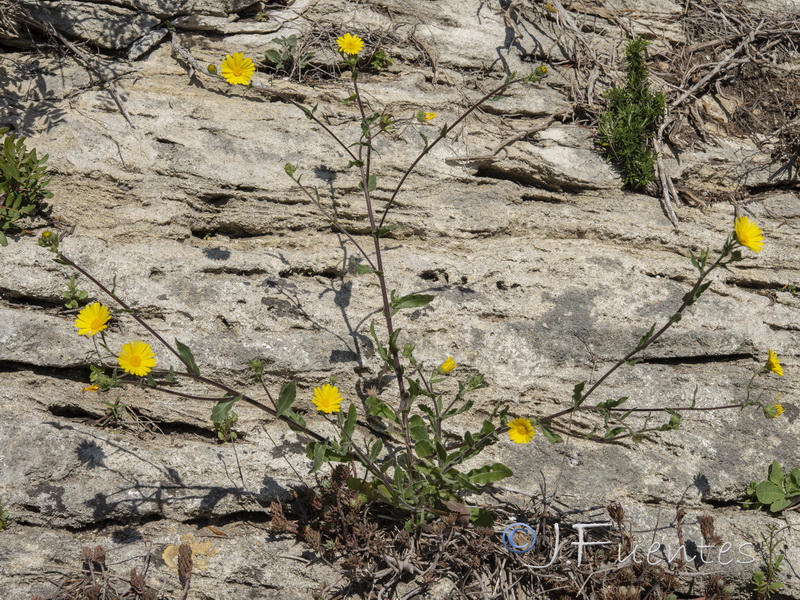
<point x="773" y="364"/>
<point x="748" y="234"/>
<point x="327" y="398"/>
<point x="237" y="69"/>
<point x="447" y="366"/>
<point x="350" y="44"/>
<point x="426" y="116"/>
<point x="92" y="388"/>
<point x="521" y="431"/>
<point x="137" y="358"/>
<point x="92" y="319"/>
<point x="773" y="411"/>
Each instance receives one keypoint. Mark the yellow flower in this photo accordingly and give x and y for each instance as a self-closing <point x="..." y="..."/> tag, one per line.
<point x="350" y="44"/>
<point x="773" y="364"/>
<point x="237" y="69"/>
<point x="137" y="358"/>
<point x="447" y="366"/>
<point x="92" y="319"/>
<point x="542" y="70"/>
<point x="91" y="388"/>
<point x="773" y="411"/>
<point x="427" y="116"/>
<point x="550" y="8"/>
<point x="520" y="431"/>
<point x="748" y="234"/>
<point x="327" y="398"/>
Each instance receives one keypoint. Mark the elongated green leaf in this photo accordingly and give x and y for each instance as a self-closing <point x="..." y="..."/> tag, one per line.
<point x="410" y="301"/>
<point x="551" y="436"/>
<point x="417" y="429"/>
<point x="382" y="231"/>
<point x="577" y="394"/>
<point x="350" y="423"/>
<point x="375" y="451"/>
<point x="286" y="397"/>
<point x="489" y="473"/>
<point x="221" y="409"/>
<point x="187" y="356"/>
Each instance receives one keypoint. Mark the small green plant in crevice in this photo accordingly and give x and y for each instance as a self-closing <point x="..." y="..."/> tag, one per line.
<point x="4" y="517"/>
<point x="73" y="294"/>
<point x="380" y="60"/>
<point x="224" y="419"/>
<point x="765" y="582"/>
<point x="22" y="183"/>
<point x="288" y="58"/>
<point x="625" y="129"/>
<point x="777" y="493"/>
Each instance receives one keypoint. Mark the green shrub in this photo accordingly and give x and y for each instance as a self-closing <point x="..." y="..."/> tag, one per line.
<point x="21" y="183"/>
<point x="625" y="129"/>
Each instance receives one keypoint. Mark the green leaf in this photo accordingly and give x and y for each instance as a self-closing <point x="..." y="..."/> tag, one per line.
<point x="779" y="505"/>
<point x="767" y="492"/>
<point x="775" y="474"/>
<point x="188" y="357"/>
<point x="646" y="338"/>
<point x="286" y="397"/>
<point x="350" y="423"/>
<point x="410" y="301"/>
<point x="792" y="482"/>
<point x="316" y="451"/>
<point x="577" y="394"/>
<point x="383" y="231"/>
<point x="424" y="449"/>
<point x="489" y="473"/>
<point x="221" y="409"/>
<point x="364" y="269"/>
<point x="417" y="429"/>
<point x="378" y="408"/>
<point x="372" y="183"/>
<point x="375" y="451"/>
<point x="550" y="435"/>
<point x="480" y="517"/>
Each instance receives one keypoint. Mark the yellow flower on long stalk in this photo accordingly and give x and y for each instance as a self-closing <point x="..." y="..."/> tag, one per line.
<point x="92" y="319"/>
<point x="748" y="234"/>
<point x="237" y="69"/>
<point x="521" y="431"/>
<point x="350" y="44"/>
<point x="773" y="363"/>
<point x="137" y="358"/>
<point x="327" y="398"/>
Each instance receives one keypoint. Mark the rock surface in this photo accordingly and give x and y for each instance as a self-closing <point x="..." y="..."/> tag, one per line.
<point x="545" y="272"/>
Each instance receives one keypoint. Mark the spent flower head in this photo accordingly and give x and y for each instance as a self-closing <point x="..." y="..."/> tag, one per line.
<point x="137" y="358"/>
<point x="92" y="319"/>
<point x="748" y="234"/>
<point x="773" y="411"/>
<point x="237" y="69"/>
<point x="447" y="366"/>
<point x="327" y="398"/>
<point x="521" y="431"/>
<point x="350" y="44"/>
<point x="773" y="363"/>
